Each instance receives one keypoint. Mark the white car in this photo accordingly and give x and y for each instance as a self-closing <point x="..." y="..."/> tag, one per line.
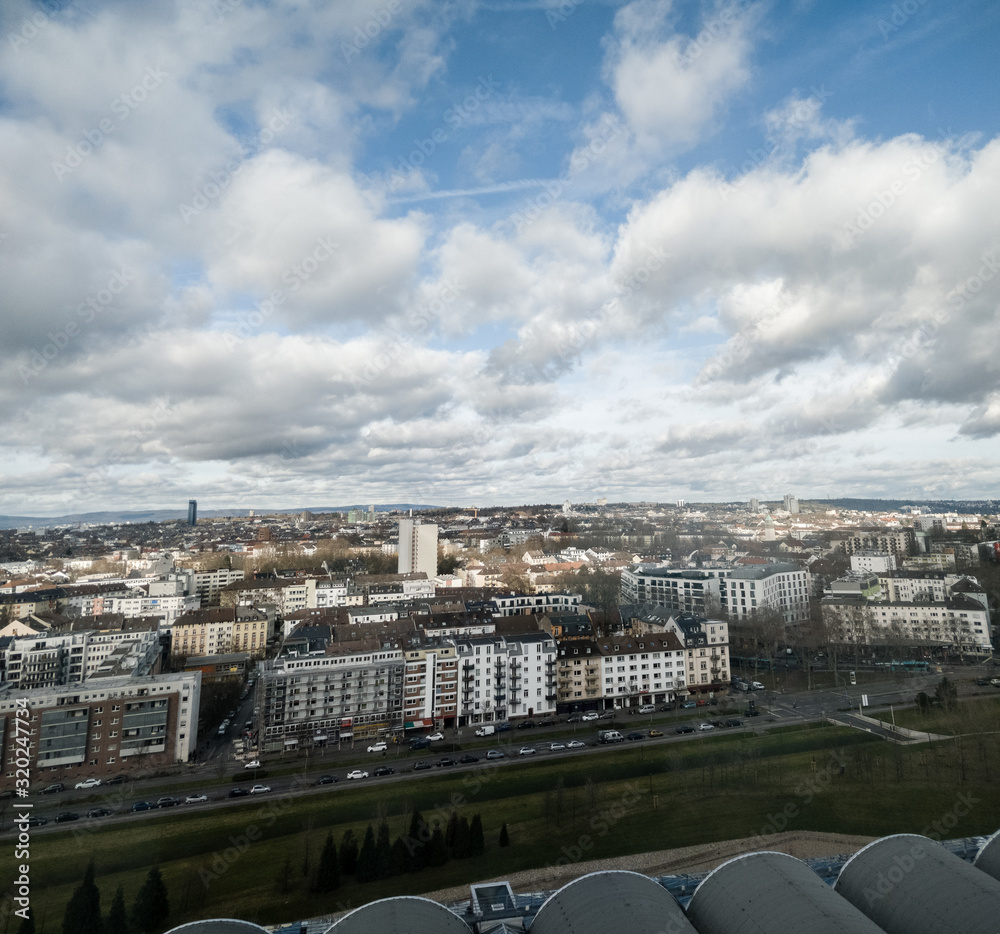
<point x="357" y="773"/>
<point x="88" y="783"/>
<point x="575" y="744"/>
<point x="705" y="726"/>
<point x="378" y="747"/>
<point x="260" y="789"/>
<point x="252" y="764"/>
<point x="554" y="746"/>
<point x="435" y="736"/>
<point x="195" y="799"/>
<point x="756" y="686"/>
<point x="527" y="751"/>
<point x="592" y="715"/>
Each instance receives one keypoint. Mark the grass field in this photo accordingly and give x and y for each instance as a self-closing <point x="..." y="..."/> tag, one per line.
<point x="254" y="861"/>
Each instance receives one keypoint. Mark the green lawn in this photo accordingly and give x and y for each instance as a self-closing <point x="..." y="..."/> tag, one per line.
<point x="630" y="799"/>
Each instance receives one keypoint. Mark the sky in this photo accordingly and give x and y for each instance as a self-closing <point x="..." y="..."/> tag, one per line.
<point x="298" y="252"/>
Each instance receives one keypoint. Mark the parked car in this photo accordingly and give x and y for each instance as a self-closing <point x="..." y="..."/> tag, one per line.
<point x="146" y="806"/>
<point x="684" y="729"/>
<point x="421" y="743"/>
<point x="653" y="733"/>
<point x="383" y="770"/>
<point x="666" y="707"/>
<point x="117" y="780"/>
<point x="37" y="821"/>
<point x="444" y="763"/>
<point x="434" y="737"/>
<point x="547" y="721"/>
<point x="67" y="816"/>
<point x="705" y="726"/>
<point x="635" y="735"/>
<point x="88" y="783"/>
<point x="468" y="758"/>
<point x="689" y="703"/>
<point x="982" y="682"/>
<point x="575" y="744"/>
<point x="238" y="793"/>
<point x="756" y="686"/>
<point x="526" y="725"/>
<point x="357" y="773"/>
<point x="607" y="715"/>
<point x="751" y="712"/>
<point x="378" y="747"/>
<point x="494" y="754"/>
<point x="100" y="812"/>
<point x="718" y="724"/>
<point x="420" y="765"/>
<point x="196" y="799"/>
<point x="646" y="708"/>
<point x="503" y="727"/>
<point x="575" y="718"/>
<point x="167" y="802"/>
<point x="590" y="715"/>
<point x="252" y="764"/>
<point x="734" y="722"/>
<point x="260" y="789"/>
<point x="527" y="751"/>
<point x="326" y="780"/>
<point x="554" y="747"/>
<point x="53" y="788"/>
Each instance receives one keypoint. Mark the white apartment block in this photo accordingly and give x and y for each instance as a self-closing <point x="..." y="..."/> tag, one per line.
<point x="873" y="562"/>
<point x="515" y="604"/>
<point x="899" y="542"/>
<point x="417" y="547"/>
<point x="781" y="587"/>
<point x="680" y="590"/>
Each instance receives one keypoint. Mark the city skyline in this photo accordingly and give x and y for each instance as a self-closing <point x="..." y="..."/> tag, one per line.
<point x="466" y="252"/>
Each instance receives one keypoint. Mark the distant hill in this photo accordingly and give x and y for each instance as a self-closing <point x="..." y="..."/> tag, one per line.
<point x="961" y="506"/>
<point x="135" y="517"/>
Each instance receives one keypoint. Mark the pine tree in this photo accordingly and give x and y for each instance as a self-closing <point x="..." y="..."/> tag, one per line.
<point x="366" y="861"/>
<point x="328" y="870"/>
<point x="348" y="854"/>
<point x="477" y="845"/>
<point x="383" y="858"/>
<point x="504" y="836"/>
<point x="117" y="920"/>
<point x="83" y="911"/>
<point x="437" y="849"/>
<point x="449" y="834"/>
<point x="416" y="843"/>
<point x="399" y="860"/>
<point x="460" y="845"/>
<point x="27" y="925"/>
<point x="152" y="907"/>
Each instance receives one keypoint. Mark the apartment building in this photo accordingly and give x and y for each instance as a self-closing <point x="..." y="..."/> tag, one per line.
<point x="515" y="604"/>
<point x="102" y="727"/>
<point x="430" y="688"/>
<point x="681" y="590"/>
<point x="218" y="630"/>
<point x="781" y="587"/>
<point x="898" y="542"/>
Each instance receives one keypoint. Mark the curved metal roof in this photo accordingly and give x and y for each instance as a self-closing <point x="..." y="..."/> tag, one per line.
<point x="909" y="884"/>
<point x="988" y="857"/>
<point x="218" y="926"/>
<point x="765" y="892"/>
<point x="402" y="913"/>
<point x="611" y="901"/>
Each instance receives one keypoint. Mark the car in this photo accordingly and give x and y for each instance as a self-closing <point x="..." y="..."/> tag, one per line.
<point x="117" y="780"/>
<point x="502" y="727"/>
<point x="646" y="708"/>
<point x="238" y="793"/>
<point x="734" y="722"/>
<point x="468" y="759"/>
<point x="252" y="764"/>
<point x="67" y="816"/>
<point x="326" y="780"/>
<point x="665" y="707"/>
<point x="527" y="751"/>
<point x="756" y="686"/>
<point x="422" y="743"/>
<point x="690" y="703"/>
<point x="751" y="712"/>
<point x="195" y="799"/>
<point x="378" y="747"/>
<point x="494" y="754"/>
<point x="146" y="806"/>
<point x="718" y="724"/>
<point x="607" y="715"/>
<point x="420" y="765"/>
<point x="383" y="770"/>
<point x="684" y="729"/>
<point x="575" y="744"/>
<point x="576" y="718"/>
<point x="553" y="747"/>
<point x="653" y="733"/>
<point x="100" y="812"/>
<point x="705" y="726"/>
<point x="88" y="783"/>
<point x="982" y="682"/>
<point x="526" y="725"/>
<point x="357" y="773"/>
<point x="434" y="737"/>
<point x="442" y="763"/>
<point x="37" y="821"/>
<point x="547" y="721"/>
<point x="167" y="802"/>
<point x="260" y="789"/>
<point x="590" y="715"/>
<point x="53" y="788"/>
<point x="635" y="735"/>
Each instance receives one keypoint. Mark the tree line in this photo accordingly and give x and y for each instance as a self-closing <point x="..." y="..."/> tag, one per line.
<point x="149" y="913"/>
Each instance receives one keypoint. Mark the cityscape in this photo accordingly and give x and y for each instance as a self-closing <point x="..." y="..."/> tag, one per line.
<point x="492" y="466"/>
